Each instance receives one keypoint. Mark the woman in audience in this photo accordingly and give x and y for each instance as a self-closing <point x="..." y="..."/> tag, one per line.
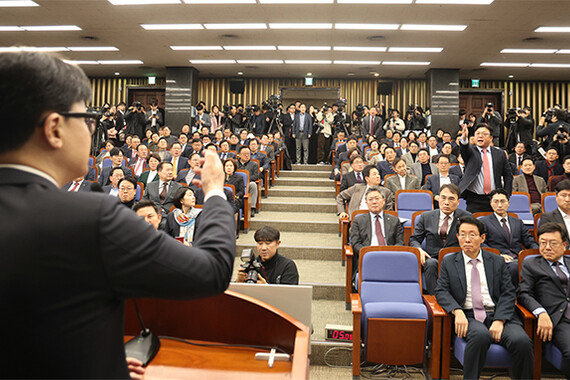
<point x="230" y="167"/>
<point x="148" y="137"/>
<point x="374" y="148"/>
<point x="181" y="222"/>
<point x="153" y="143"/>
<point x="150" y="175"/>
<point x="215" y="119"/>
<point x="411" y="137"/>
<point x="105" y="152"/>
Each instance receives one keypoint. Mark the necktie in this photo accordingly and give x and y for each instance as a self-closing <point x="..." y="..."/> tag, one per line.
<point x="138" y="169"/>
<point x="506" y="228"/>
<point x="564" y="281"/>
<point x="476" y="297"/>
<point x="379" y="234"/>
<point x="520" y="161"/>
<point x="359" y="177"/>
<point x="486" y="173"/>
<point x="163" y="192"/>
<point x="443" y="229"/>
<point x="74" y="187"/>
<point x="372" y="125"/>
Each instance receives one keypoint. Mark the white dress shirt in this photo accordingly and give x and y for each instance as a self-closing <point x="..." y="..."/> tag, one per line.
<point x="444" y="180"/>
<point x="402" y="181"/>
<point x="114" y="192"/>
<point x="433" y="152"/>
<point x="374" y="238"/>
<point x="477" y="185"/>
<point x="485" y="295"/>
<point x="73" y="186"/>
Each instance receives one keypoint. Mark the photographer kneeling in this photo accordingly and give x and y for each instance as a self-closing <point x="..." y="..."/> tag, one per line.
<point x="271" y="267"/>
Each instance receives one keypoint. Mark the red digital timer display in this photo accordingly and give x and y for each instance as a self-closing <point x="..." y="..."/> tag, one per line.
<point x="342" y="335"/>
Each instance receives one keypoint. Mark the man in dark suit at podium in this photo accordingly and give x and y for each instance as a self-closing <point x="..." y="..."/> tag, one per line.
<point x="64" y="276"/>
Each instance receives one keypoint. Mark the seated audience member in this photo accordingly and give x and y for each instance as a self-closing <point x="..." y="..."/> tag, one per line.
<point x="231" y="178"/>
<point x="355" y="176"/>
<point x="518" y="155"/>
<point x="183" y="140"/>
<point x="151" y="174"/>
<point x="402" y="180"/>
<point x="117" y="162"/>
<point x="559" y="178"/>
<point x="443" y="177"/>
<point x="189" y="175"/>
<point x="354" y="196"/>
<point x="178" y="162"/>
<point x="266" y="147"/>
<point x="543" y="289"/>
<point x="77" y="185"/>
<point x="458" y="170"/>
<point x="112" y="189"/>
<point x="234" y="142"/>
<point x="374" y="228"/>
<point x="244" y="162"/>
<point x="277" y="269"/>
<point x="403" y="147"/>
<point x="127" y="191"/>
<point x="166" y="133"/>
<point x="148" y="210"/>
<point x="475" y="286"/>
<point x="506" y="233"/>
<point x="345" y="166"/>
<point x="562" y="213"/>
<point x="433" y="147"/>
<point x="153" y="143"/>
<point x="549" y="167"/>
<point x="131" y="151"/>
<point x="422" y="140"/>
<point x="196" y="147"/>
<point x="439" y="229"/>
<point x="162" y="191"/>
<point x="411" y="157"/>
<point x="181" y="222"/>
<point x="243" y="140"/>
<point x="109" y="144"/>
<point x="218" y="137"/>
<point x="139" y="162"/>
<point x="224" y="152"/>
<point x="256" y="155"/>
<point x="162" y="150"/>
<point x="387" y="166"/>
<point x="374" y="149"/>
<point x="91" y="174"/>
<point x="351" y="143"/>
<point x="423" y="167"/>
<point x="530" y="183"/>
<point x="446" y="150"/>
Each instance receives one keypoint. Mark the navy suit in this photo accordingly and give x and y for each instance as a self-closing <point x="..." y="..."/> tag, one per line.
<point x="451" y="293"/>
<point x="432" y="183"/>
<point x="226" y="155"/>
<point x="542" y="169"/>
<point x="182" y="163"/>
<point x="456" y="170"/>
<point x="385" y="168"/>
<point x="349" y="180"/>
<point x="91" y="174"/>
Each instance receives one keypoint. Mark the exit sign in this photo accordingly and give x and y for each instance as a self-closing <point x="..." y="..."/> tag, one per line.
<point x="474" y="82"/>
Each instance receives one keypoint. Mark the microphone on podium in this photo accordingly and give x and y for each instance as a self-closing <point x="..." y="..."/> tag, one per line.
<point x="145" y="345"/>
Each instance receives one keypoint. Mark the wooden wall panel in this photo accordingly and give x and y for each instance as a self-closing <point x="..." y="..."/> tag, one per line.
<point x="114" y="90"/>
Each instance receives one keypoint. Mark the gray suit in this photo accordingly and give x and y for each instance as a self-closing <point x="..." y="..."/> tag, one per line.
<point x="409" y="160"/>
<point x="152" y="192"/>
<point x="416" y="169"/>
<point x="361" y="234"/>
<point x="393" y="183"/>
<point x="519" y="184"/>
<point x="378" y="132"/>
<point x="354" y="194"/>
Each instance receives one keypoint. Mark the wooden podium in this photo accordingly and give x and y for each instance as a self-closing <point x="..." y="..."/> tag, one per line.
<point x="230" y="318"/>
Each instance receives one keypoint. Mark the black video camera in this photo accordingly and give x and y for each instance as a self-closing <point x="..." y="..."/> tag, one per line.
<point x="251" y="266"/>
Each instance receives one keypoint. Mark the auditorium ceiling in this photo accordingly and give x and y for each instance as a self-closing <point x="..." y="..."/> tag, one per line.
<point x="322" y="39"/>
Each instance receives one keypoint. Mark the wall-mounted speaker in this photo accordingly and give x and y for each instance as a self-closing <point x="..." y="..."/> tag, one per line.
<point x="384" y="88"/>
<point x="237" y="86"/>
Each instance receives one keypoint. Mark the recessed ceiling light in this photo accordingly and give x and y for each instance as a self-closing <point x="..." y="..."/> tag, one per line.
<point x="414" y="50"/>
<point x="250" y="48"/>
<point x="528" y="51"/>
<point x="236" y="26"/>
<point x="405" y="63"/>
<point x="511" y="76"/>
<point x="350" y="74"/>
<point x="296" y="1"/>
<point x="458" y="2"/>
<point x="309" y="74"/>
<point x="551" y="65"/>
<point x="93" y="48"/>
<point x="360" y="26"/>
<point x="259" y="61"/>
<point x="359" y="48"/>
<point x="81" y="62"/>
<point x="504" y="64"/>
<point x="18" y="3"/>
<point x="435" y="28"/>
<point x="563" y="51"/>
<point x="220" y="2"/>
<point x="357" y="62"/>
<point x="319" y="48"/>
<point x="172" y="26"/>
<point x="211" y="61"/>
<point x="376" y="74"/>
<point x="374" y="1"/>
<point x="143" y="2"/>
<point x="51" y="28"/>
<point x="117" y="73"/>
<point x="240" y="73"/>
<point x="121" y="62"/>
<point x="11" y="29"/>
<point x="196" y="47"/>
<point x="307" y="62"/>
<point x="300" y="25"/>
<point x="553" y="29"/>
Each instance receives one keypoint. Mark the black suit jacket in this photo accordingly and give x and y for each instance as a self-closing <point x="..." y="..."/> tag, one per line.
<point x="62" y="292"/>
<point x="427" y="227"/>
<point x="513" y="158"/>
<point x="349" y="180"/>
<point x="474" y="165"/>
<point x="106" y="172"/>
<point x="361" y="232"/>
<point x="497" y="238"/>
<point x="91" y="174"/>
<point x="540" y="287"/>
<point x="457" y="171"/>
<point x="385" y="168"/>
<point x="542" y="169"/>
<point x="452" y="284"/>
<point x="287" y="121"/>
<point x="432" y="182"/>
<point x="552" y="217"/>
<point x="182" y="163"/>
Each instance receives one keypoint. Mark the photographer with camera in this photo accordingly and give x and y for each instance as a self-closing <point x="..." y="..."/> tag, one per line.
<point x="520" y="126"/>
<point x="416" y="121"/>
<point x="325" y="119"/>
<point x="494" y="120"/>
<point x="153" y="117"/>
<point x="136" y="120"/>
<point x="394" y="122"/>
<point x="233" y="120"/>
<point x="269" y="267"/>
<point x="550" y="124"/>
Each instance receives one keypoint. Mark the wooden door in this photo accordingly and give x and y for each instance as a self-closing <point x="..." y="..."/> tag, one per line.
<point x="475" y="102"/>
<point x="145" y="96"/>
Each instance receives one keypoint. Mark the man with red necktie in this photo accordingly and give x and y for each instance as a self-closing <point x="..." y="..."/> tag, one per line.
<point x="77" y="185"/>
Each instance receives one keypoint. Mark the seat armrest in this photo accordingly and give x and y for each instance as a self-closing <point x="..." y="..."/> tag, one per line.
<point x="348" y="280"/>
<point x="524" y="313"/>
<point x="435" y="309"/>
<point x="355" y="303"/>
